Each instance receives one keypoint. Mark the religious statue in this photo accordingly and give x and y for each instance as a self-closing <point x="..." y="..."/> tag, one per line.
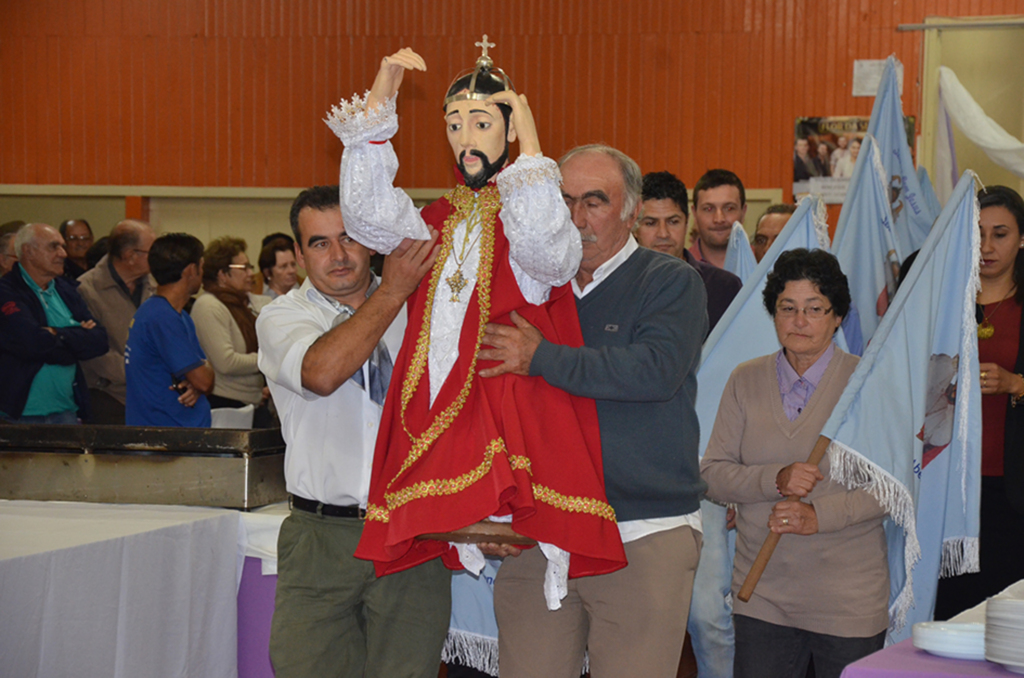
<point x="456" y="448"/>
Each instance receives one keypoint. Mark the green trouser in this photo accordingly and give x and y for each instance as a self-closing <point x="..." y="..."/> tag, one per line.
<point x="334" y="617"/>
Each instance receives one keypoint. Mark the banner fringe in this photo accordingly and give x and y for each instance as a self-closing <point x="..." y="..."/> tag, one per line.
<point x="854" y="471"/>
<point x="820" y="217"/>
<point x="960" y="555"/>
<point x="968" y="346"/>
<point x="480" y="652"/>
<point x="471" y="649"/>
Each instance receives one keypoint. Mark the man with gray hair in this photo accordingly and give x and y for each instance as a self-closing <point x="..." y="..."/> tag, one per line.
<point x="46" y="329"/>
<point x="114" y="289"/>
<point x="643" y="318"/>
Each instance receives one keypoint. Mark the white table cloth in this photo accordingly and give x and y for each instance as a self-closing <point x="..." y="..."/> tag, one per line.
<point x="120" y="591"/>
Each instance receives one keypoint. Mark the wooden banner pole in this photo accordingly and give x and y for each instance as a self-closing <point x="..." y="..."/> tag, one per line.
<point x="765" y="554"/>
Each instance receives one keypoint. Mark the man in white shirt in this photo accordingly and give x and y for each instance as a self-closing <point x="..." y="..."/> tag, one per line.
<point x="325" y="350"/>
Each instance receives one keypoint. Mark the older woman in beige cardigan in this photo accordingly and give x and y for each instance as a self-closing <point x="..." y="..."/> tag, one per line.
<point x="824" y="595"/>
<point x="225" y="319"/>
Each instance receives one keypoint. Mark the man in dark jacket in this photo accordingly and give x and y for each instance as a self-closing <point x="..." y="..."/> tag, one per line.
<point x="47" y="330"/>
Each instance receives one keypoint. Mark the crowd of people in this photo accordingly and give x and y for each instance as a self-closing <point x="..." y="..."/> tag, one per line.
<point x="528" y="355"/>
<point x="72" y="303"/>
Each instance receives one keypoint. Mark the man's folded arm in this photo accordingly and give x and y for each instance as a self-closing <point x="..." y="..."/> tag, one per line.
<point x="201" y="377"/>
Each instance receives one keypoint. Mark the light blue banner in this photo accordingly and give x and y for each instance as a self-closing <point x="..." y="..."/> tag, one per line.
<point x="908" y="426"/>
<point x="739" y="257"/>
<point x="865" y="243"/>
<point x="911" y="211"/>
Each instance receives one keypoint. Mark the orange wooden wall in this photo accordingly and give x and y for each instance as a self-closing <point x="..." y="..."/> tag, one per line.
<point x="232" y="92"/>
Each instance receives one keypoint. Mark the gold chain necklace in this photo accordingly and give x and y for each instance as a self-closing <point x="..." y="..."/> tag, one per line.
<point x="985" y="329"/>
<point x="457" y="281"/>
<point x="461" y="199"/>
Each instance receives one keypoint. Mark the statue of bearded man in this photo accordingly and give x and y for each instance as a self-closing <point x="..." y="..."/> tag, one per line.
<point x="456" y="448"/>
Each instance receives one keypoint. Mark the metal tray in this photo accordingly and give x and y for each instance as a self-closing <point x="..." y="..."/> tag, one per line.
<point x="232" y="468"/>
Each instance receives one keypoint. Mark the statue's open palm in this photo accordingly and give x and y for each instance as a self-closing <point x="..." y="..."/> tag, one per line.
<point x="389" y="77"/>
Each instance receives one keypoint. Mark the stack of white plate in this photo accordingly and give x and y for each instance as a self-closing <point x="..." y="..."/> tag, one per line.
<point x="1004" y="633"/>
<point x="951" y="639"/>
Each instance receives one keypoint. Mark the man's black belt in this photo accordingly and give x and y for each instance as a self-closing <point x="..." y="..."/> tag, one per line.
<point x="329" y="510"/>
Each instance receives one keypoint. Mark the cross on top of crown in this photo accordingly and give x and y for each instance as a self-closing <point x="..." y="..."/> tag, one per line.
<point x="484" y="45"/>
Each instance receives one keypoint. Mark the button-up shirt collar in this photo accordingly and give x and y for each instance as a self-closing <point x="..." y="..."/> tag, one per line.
<point x="796" y="390"/>
<point x="607" y="268"/>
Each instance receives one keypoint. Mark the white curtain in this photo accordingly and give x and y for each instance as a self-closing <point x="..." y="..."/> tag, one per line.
<point x="946" y="171"/>
<point x="1001" y="147"/>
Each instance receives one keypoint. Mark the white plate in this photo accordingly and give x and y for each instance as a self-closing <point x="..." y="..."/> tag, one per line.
<point x="1015" y="668"/>
<point x="954" y="653"/>
<point x="949" y="630"/>
<point x="1004" y="643"/>
<point x="954" y="640"/>
<point x="1004" y="654"/>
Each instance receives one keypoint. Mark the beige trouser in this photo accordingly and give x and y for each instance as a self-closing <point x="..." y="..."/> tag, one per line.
<point x="632" y="621"/>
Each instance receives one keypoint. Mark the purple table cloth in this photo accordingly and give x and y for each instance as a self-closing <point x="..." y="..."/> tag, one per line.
<point x="255" y="610"/>
<point x="903" y="660"/>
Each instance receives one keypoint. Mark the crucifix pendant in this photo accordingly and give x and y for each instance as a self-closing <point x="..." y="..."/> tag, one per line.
<point x="456" y="282"/>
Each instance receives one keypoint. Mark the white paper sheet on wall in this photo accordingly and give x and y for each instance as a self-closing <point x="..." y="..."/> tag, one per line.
<point x="867" y="74"/>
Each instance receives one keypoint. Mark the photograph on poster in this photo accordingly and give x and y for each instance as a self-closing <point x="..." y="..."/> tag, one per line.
<point x="825" y="150"/>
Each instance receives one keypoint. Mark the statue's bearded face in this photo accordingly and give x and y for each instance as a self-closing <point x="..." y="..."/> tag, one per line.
<point x="477" y="135"/>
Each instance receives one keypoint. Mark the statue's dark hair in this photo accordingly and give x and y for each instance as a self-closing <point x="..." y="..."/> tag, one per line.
<point x="486" y="82"/>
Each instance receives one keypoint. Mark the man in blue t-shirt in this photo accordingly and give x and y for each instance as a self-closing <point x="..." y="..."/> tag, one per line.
<point x="166" y="371"/>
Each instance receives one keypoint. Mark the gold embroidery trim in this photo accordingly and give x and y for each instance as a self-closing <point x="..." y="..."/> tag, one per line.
<point x="444" y="486"/>
<point x="462" y="201"/>
<point x="519" y="462"/>
<point x="573" y="504"/>
<point x="447" y="486"/>
<point x="374" y="512"/>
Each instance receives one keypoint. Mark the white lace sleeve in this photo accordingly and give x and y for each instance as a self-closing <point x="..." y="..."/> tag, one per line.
<point x="544" y="245"/>
<point x="376" y="214"/>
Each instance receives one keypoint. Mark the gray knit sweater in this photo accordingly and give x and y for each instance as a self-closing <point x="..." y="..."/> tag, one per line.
<point x="642" y="332"/>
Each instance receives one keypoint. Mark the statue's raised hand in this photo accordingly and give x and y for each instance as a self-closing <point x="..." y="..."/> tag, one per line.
<point x="521" y="121"/>
<point x="389" y="77"/>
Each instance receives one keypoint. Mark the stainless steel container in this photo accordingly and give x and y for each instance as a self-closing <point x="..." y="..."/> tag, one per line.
<point x="143" y="465"/>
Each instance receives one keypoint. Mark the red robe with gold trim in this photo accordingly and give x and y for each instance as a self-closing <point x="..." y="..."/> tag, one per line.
<point x="496" y="446"/>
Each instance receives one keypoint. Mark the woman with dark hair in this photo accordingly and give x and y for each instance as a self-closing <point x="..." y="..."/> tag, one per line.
<point x="225" y="319"/>
<point x="1001" y="358"/>
<point x="824" y="596"/>
<point x="279" y="269"/>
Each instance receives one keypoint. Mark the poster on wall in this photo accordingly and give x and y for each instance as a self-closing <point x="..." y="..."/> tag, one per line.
<point x="825" y="150"/>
